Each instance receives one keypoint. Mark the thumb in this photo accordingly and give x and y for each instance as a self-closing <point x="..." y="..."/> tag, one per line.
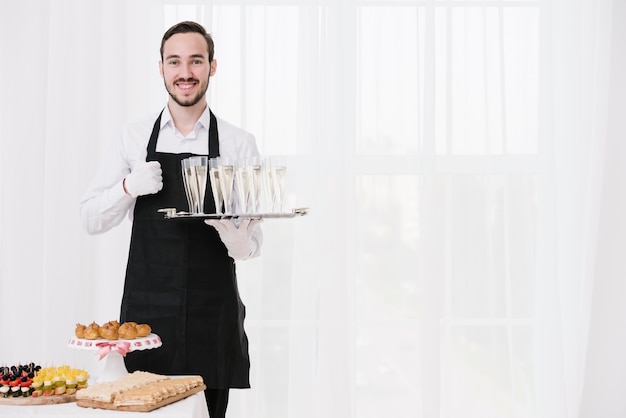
<point x="254" y="222"/>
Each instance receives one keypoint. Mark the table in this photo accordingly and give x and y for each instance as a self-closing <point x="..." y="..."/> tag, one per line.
<point x="192" y="407"/>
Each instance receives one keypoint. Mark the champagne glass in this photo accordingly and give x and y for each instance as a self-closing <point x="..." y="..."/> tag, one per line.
<point x="200" y="170"/>
<point x="186" y="171"/>
<point x="242" y="185"/>
<point x="279" y="173"/>
<point x="268" y="184"/>
<point x="214" y="177"/>
<point x="253" y="167"/>
<point x="192" y="185"/>
<point x="227" y="175"/>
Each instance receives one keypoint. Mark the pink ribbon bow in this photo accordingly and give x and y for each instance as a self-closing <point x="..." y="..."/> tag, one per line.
<point x="121" y="347"/>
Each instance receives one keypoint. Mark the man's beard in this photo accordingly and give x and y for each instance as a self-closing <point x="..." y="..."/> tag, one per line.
<point x="189" y="101"/>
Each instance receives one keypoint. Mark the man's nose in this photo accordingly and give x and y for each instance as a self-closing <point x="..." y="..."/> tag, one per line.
<point x="185" y="71"/>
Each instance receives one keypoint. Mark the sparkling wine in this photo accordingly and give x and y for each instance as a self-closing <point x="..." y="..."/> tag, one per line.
<point x="190" y="172"/>
<point x="214" y="177"/>
<point x="187" y="189"/>
<point x="242" y="182"/>
<point x="278" y="177"/>
<point x="226" y="182"/>
<point x="268" y="189"/>
<point x="254" y="183"/>
<point x="201" y="177"/>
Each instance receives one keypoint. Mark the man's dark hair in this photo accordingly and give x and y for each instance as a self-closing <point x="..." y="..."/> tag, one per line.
<point x="186" y="27"/>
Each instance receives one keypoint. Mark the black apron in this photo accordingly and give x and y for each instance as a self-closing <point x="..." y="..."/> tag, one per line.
<point x="181" y="281"/>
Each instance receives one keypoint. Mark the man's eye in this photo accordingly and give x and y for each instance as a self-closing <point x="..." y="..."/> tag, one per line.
<point x="173" y="62"/>
<point x="197" y="62"/>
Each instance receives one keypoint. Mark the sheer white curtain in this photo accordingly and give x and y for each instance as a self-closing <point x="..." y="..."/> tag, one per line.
<point x="578" y="77"/>
<point x="452" y="154"/>
<point x="605" y="363"/>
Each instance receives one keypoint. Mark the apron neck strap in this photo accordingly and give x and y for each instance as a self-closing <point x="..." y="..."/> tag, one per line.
<point x="214" y="143"/>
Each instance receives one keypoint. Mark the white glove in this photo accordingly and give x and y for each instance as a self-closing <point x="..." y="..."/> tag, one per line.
<point x="238" y="240"/>
<point x="146" y="178"/>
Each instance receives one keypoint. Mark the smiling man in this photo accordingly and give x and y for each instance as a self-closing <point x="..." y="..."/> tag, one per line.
<point x="180" y="276"/>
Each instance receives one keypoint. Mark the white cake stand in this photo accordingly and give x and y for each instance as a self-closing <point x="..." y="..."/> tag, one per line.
<point x="112" y="352"/>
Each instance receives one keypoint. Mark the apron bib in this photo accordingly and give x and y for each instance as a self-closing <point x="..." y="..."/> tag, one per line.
<point x="181" y="281"/>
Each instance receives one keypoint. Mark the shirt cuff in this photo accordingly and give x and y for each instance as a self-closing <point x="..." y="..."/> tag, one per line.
<point x="117" y="195"/>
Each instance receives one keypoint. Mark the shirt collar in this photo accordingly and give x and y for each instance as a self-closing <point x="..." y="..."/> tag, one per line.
<point x="203" y="122"/>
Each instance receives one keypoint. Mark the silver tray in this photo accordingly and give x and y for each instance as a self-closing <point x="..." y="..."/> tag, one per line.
<point x="172" y="213"/>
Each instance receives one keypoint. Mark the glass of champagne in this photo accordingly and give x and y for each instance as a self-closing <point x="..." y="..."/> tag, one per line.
<point x="200" y="170"/>
<point x="192" y="185"/>
<point x="227" y="175"/>
<point x="186" y="171"/>
<point x="214" y="177"/>
<point x="267" y="185"/>
<point x="279" y="174"/>
<point x="242" y="185"/>
<point x="253" y="167"/>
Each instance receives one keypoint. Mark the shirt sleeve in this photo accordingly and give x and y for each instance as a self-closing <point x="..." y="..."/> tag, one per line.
<point x="105" y="204"/>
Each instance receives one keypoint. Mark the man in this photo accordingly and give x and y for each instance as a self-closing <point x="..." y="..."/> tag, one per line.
<point x="180" y="277"/>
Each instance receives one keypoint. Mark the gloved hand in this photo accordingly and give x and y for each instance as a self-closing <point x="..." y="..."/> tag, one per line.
<point x="238" y="240"/>
<point x="146" y="178"/>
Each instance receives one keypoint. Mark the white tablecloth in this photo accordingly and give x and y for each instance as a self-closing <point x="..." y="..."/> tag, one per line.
<point x="191" y="407"/>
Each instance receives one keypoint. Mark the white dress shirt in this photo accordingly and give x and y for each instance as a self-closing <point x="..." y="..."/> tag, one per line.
<point x="105" y="204"/>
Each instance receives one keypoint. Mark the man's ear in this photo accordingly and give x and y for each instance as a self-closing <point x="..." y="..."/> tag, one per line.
<point x="213" y="68"/>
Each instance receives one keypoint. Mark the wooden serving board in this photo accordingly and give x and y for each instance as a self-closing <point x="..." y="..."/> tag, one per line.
<point x="38" y="400"/>
<point x="139" y="408"/>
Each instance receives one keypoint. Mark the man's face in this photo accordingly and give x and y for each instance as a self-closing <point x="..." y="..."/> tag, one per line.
<point x="186" y="68"/>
